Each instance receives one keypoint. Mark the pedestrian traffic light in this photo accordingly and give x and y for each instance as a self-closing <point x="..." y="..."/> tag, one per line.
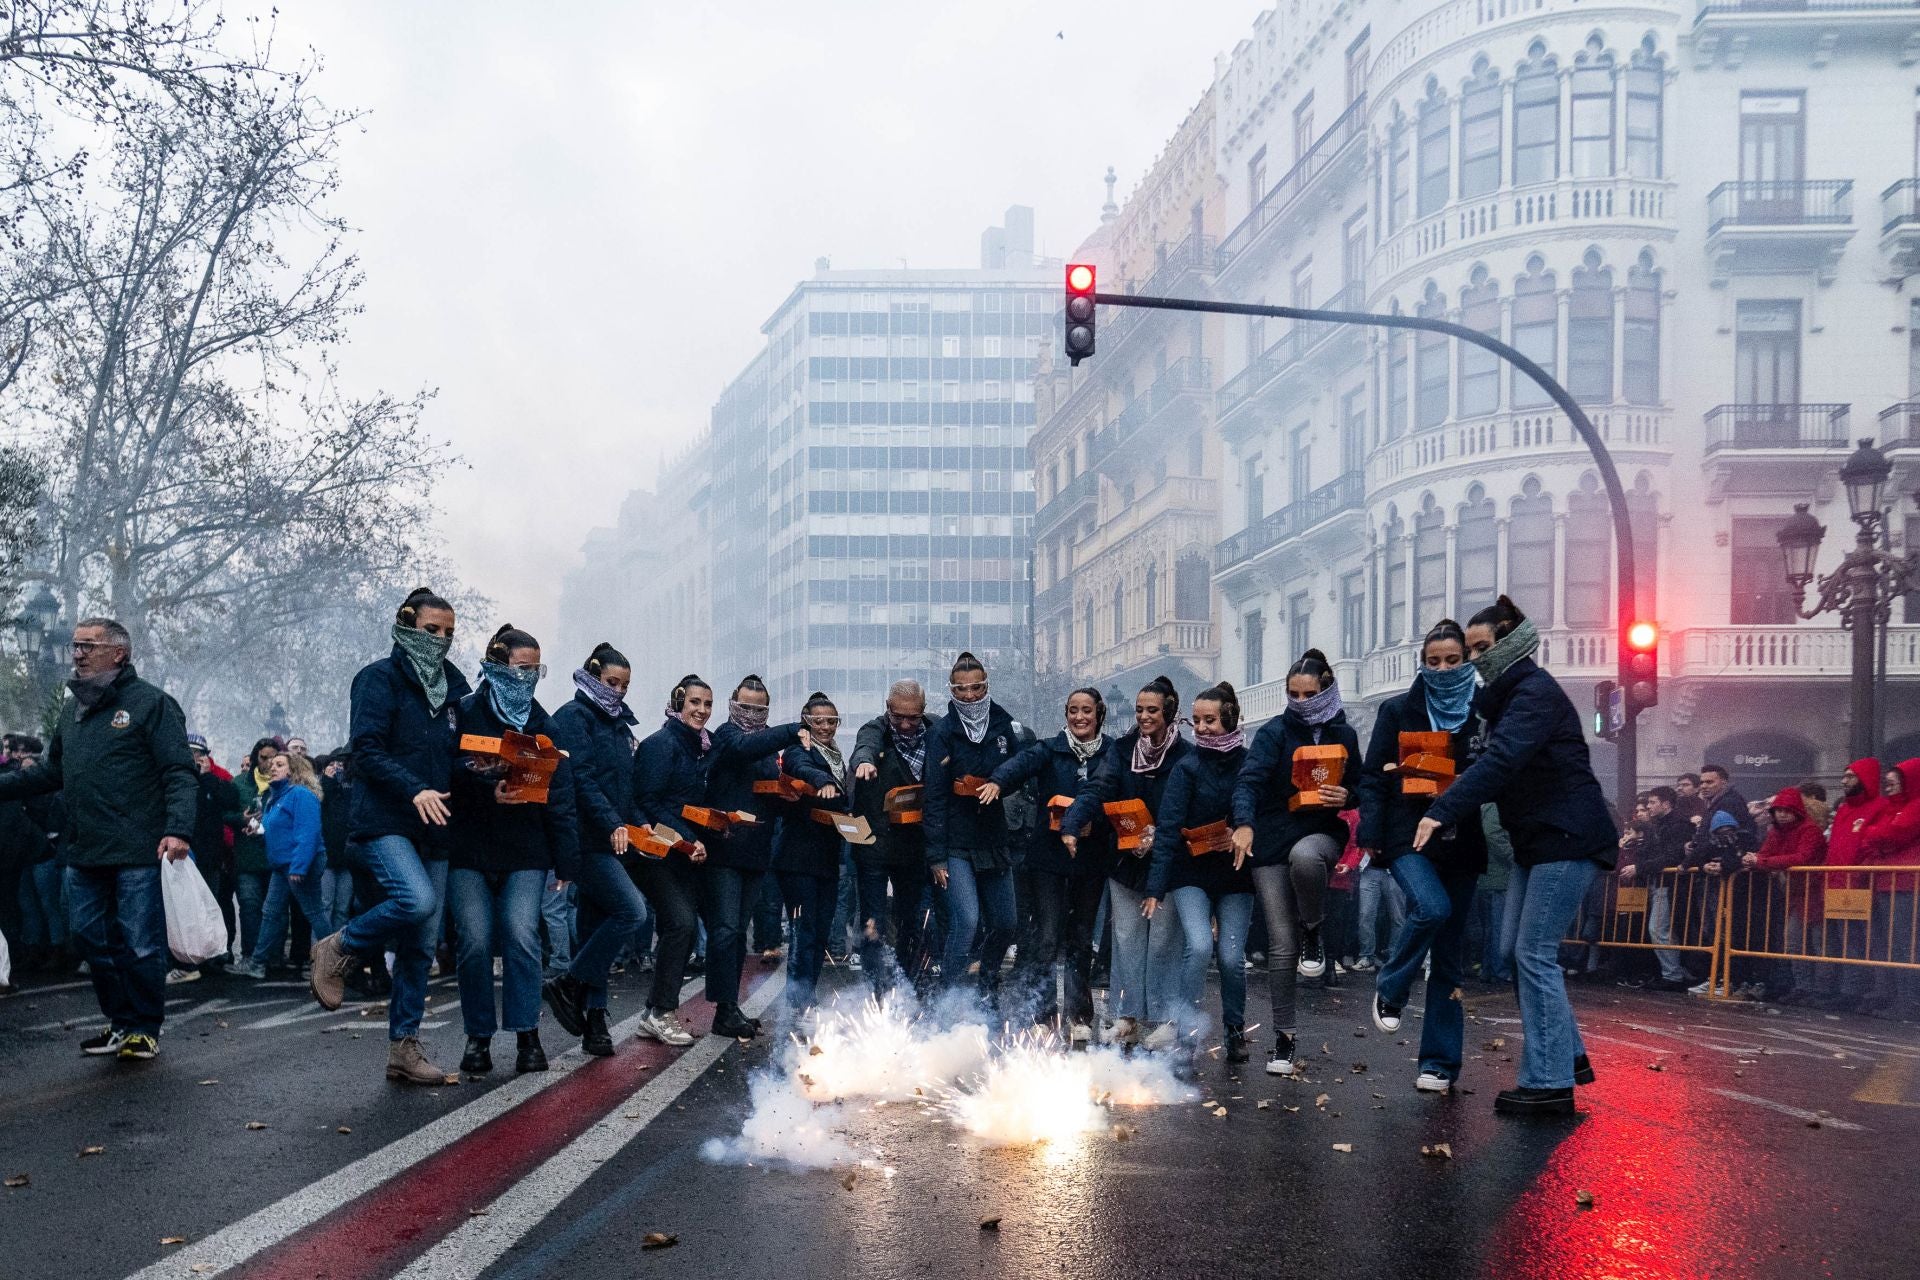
<point x="1640" y="666"/>
<point x="1079" y="316"/>
<point x="1609" y="711"/>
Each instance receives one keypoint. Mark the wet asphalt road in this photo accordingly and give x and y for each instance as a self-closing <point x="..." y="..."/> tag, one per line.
<point x="1707" y="1166"/>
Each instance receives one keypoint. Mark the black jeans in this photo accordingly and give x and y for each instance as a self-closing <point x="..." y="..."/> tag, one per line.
<point x="668" y="885"/>
<point x="1064" y="910"/>
<point x="900" y="927"/>
<point x="728" y="898"/>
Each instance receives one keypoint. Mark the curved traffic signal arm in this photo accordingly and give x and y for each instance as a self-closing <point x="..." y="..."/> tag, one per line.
<point x="1079" y="311"/>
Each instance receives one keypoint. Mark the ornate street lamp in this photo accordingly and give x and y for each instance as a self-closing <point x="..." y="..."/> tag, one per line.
<point x="1862" y="590"/>
<point x="37" y="627"/>
<point x="277" y="726"/>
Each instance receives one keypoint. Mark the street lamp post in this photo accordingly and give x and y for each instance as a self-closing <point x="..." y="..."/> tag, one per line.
<point x="1862" y="590"/>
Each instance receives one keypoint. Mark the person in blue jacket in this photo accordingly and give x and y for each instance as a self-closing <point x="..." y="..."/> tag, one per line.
<point x="1530" y="760"/>
<point x="670" y="773"/>
<point x="1146" y="957"/>
<point x="1294" y="850"/>
<point x="967" y="841"/>
<point x="595" y="729"/>
<point x="1440" y="881"/>
<point x="404" y="728"/>
<point x="808" y="852"/>
<point x="745" y="751"/>
<point x="1066" y="887"/>
<point x="290" y="821"/>
<point x="503" y="849"/>
<point x="1210" y="889"/>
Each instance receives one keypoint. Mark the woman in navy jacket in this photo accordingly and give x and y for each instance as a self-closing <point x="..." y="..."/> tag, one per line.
<point x="404" y="725"/>
<point x="745" y="751"/>
<point x="502" y="851"/>
<point x="1439" y="882"/>
<point x="670" y="773"/>
<point x="1211" y="888"/>
<point x="807" y="852"/>
<point x="1530" y="759"/>
<point x="596" y="731"/>
<point x="1294" y="850"/>
<point x="967" y="840"/>
<point x="1067" y="887"/>
<point x="1146" y="956"/>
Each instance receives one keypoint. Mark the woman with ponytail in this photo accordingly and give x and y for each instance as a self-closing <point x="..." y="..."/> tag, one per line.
<point x="745" y="751"/>
<point x="1209" y="889"/>
<point x="405" y="716"/>
<point x="595" y="729"/>
<point x="1067" y="887"/>
<point x="670" y="773"/>
<point x="1294" y="849"/>
<point x="1530" y="759"/>
<point x="504" y="848"/>
<point x="1439" y="881"/>
<point x="1146" y="953"/>
<point x="807" y="853"/>
<point x="967" y="840"/>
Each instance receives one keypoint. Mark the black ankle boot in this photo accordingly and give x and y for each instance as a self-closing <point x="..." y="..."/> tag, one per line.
<point x="1236" y="1042"/>
<point x="597" y="1040"/>
<point x="1582" y="1070"/>
<point x="531" y="1056"/>
<point x="729" y="1021"/>
<point x="567" y="997"/>
<point x="1534" y="1102"/>
<point x="479" y="1059"/>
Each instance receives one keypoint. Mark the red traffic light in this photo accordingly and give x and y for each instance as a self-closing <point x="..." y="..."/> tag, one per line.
<point x="1080" y="278"/>
<point x="1642" y="635"/>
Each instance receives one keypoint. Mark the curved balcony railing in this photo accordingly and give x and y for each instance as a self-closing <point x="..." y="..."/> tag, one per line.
<point x="1290" y="521"/>
<point x="1900" y="205"/>
<point x="1081" y="490"/>
<point x="1900" y="425"/>
<point x="1342" y="133"/>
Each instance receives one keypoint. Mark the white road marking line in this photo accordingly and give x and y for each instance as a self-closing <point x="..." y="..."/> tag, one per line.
<point x="480" y="1242"/>
<point x="310" y="1011"/>
<point x="47" y="991"/>
<point x="1798" y="1113"/>
<point x="235" y="1243"/>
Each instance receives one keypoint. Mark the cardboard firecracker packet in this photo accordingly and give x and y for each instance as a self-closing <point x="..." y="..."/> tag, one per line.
<point x="1215" y="837"/>
<point x="717" y="819"/>
<point x="1426" y="766"/>
<point x="1057" y="811"/>
<point x="1314" y="768"/>
<point x="530" y="760"/>
<point x="657" y="841"/>
<point x="967" y="787"/>
<point x="904" y="805"/>
<point x="784" y="787"/>
<point x="1130" y="821"/>
<point x="853" y="828"/>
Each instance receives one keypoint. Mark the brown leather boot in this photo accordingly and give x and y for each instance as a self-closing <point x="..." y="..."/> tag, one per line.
<point x="328" y="981"/>
<point x="407" y="1063"/>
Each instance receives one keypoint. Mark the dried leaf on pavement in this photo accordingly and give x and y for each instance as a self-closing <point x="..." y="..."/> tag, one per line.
<point x="478" y="1213"/>
<point x="1498" y="1042"/>
<point x="989" y="1224"/>
<point x="343" y="1129"/>
<point x="205" y="1083"/>
<point x="1346" y="1148"/>
<point x="91" y="1151"/>
<point x="173" y="1239"/>
<point x="17" y="1180"/>
<point x="852" y="1177"/>
<point x="658" y="1240"/>
<point x="1323" y="1100"/>
<point x="1263" y="1104"/>
<point x="1584" y="1199"/>
<point x="255" y="1124"/>
<point x="1220" y="1111"/>
<point x="1442" y="1150"/>
<point x="1656" y="1066"/>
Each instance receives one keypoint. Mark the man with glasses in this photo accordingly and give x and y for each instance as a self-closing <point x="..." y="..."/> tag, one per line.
<point x="889" y="753"/>
<point x="119" y="758"/>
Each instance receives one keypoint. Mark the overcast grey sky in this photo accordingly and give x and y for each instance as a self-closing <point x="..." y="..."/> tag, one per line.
<point x="574" y="218"/>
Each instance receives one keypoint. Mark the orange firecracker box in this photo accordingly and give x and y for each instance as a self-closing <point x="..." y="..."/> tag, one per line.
<point x="903" y="806"/>
<point x="657" y="841"/>
<point x="853" y="828"/>
<point x="717" y="819"/>
<point x="968" y="786"/>
<point x="1057" y="811"/>
<point x="531" y="760"/>
<point x="784" y="787"/>
<point x="1215" y="837"/>
<point x="1130" y="821"/>
<point x="1314" y="768"/>
<point x="1426" y="764"/>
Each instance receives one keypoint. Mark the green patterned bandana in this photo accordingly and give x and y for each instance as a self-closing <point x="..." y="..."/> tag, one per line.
<point x="428" y="654"/>
<point x="1521" y="642"/>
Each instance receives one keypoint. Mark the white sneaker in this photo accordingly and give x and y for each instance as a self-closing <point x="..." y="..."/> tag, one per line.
<point x="1313" y="954"/>
<point x="663" y="1027"/>
<point x="1283" y="1062"/>
<point x="853" y="962"/>
<point x="1385" y="1016"/>
<point x="248" y="969"/>
<point x="1431" y="1083"/>
<point x="1080" y="1033"/>
<point x="1161" y="1037"/>
<point x="1364" y="964"/>
<point x="1707" y="990"/>
<point x="177" y="976"/>
<point x="1123" y="1031"/>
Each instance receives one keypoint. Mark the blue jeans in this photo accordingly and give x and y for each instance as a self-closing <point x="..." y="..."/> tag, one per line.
<point x="497" y="908"/>
<point x="895" y="922"/>
<point x="1439" y="907"/>
<point x="556" y="909"/>
<point x="120" y="923"/>
<point x="811" y="900"/>
<point x="1196" y="911"/>
<point x="611" y="912"/>
<point x="1490" y="906"/>
<point x="407" y="921"/>
<point x="43" y="922"/>
<point x="336" y="892"/>
<point x="1541" y="902"/>
<point x="281" y="894"/>
<point x="973" y="897"/>
<point x="1378" y="889"/>
<point x="846" y="906"/>
<point x="250" y="888"/>
<point x="1143" y="975"/>
<point x="727" y="899"/>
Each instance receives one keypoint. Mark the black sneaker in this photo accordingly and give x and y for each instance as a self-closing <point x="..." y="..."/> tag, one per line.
<point x="596" y="1039"/>
<point x="730" y="1022"/>
<point x="1236" y="1042"/>
<point x="1313" y="953"/>
<point x="1534" y="1102"/>
<point x="104" y="1045"/>
<point x="532" y="1056"/>
<point x="479" y="1057"/>
<point x="1385" y="1016"/>
<point x="1582" y="1070"/>
<point x="567" y="997"/>
<point x="139" y="1047"/>
<point x="1283" y="1063"/>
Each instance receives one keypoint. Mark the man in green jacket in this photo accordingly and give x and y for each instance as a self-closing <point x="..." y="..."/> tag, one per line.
<point x="119" y="757"/>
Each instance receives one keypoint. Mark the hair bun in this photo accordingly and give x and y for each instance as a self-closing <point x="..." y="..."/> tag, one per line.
<point x="1226" y="688"/>
<point x="1317" y="656"/>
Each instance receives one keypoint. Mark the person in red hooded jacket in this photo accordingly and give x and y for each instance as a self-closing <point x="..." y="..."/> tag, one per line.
<point x="1793" y="840"/>
<point x="1894" y="842"/>
<point x="1861" y="809"/>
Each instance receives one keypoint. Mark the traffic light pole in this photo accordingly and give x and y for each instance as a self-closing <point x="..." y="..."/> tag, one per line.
<point x="1626" y="743"/>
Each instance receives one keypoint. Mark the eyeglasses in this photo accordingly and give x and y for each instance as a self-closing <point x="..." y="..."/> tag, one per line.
<point x="539" y="670"/>
<point x="824" y="722"/>
<point x="977" y="687"/>
<point x="88" y="646"/>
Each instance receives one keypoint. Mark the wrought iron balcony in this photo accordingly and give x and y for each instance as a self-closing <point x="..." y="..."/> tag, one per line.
<point x="1290" y="521"/>
<point x="1900" y="425"/>
<point x="1083" y="490"/>
<point x="1777" y="426"/>
<point x="1280" y="199"/>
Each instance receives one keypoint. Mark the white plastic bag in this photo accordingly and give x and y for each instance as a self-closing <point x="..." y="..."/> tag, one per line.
<point x="6" y="964"/>
<point x="195" y="931"/>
